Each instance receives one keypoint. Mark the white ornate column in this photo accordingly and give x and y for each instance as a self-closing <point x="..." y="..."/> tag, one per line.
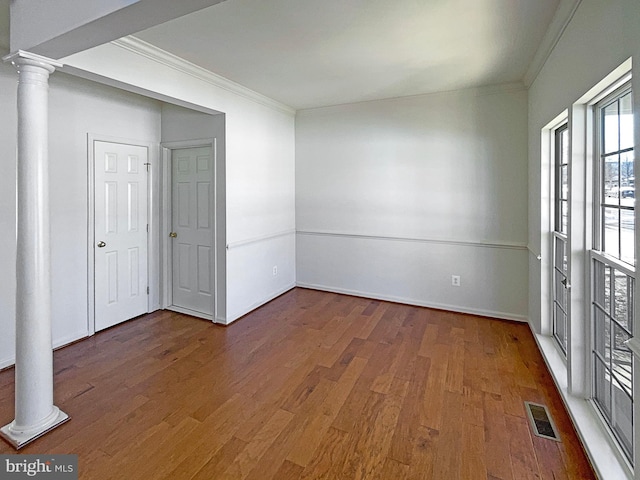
<point x="35" y="413"/>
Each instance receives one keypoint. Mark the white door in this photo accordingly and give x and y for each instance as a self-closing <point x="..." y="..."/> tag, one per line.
<point x="120" y="222"/>
<point x="192" y="230"/>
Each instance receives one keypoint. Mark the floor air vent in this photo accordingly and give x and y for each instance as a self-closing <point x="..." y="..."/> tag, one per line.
<point x="541" y="421"/>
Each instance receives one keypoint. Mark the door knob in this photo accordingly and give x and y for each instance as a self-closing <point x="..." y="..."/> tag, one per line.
<point x="101" y="244"/>
<point x="173" y="234"/>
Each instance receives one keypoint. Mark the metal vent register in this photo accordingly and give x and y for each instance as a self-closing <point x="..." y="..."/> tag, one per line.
<point x="541" y="421"/>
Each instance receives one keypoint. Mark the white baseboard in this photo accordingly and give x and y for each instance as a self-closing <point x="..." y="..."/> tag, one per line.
<point x="193" y="313"/>
<point x="6" y="362"/>
<point x="58" y="343"/>
<point x="420" y="303"/>
<point x="242" y="313"/>
<point x="66" y="340"/>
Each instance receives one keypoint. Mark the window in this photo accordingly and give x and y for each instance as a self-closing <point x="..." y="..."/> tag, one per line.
<point x="613" y="265"/>
<point x="617" y="187"/>
<point x="560" y="232"/>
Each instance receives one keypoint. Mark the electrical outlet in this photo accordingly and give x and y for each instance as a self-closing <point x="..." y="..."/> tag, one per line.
<point x="455" y="280"/>
<point x="275" y="270"/>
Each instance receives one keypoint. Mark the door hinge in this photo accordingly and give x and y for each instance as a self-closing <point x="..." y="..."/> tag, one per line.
<point x="147" y="228"/>
<point x="147" y="290"/>
<point x="148" y="166"/>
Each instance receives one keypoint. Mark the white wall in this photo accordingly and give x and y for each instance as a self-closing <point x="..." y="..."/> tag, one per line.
<point x="180" y="124"/>
<point x="260" y="198"/>
<point x="395" y="196"/>
<point x="76" y="108"/>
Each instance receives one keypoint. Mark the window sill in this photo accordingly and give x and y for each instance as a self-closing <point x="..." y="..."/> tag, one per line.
<point x="603" y="453"/>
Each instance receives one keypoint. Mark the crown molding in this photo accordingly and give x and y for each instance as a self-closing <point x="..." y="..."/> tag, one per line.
<point x="496" y="89"/>
<point x="561" y="19"/>
<point x="499" y="88"/>
<point x="147" y="50"/>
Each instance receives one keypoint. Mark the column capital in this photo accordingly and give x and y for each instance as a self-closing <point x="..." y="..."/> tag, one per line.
<point x="27" y="58"/>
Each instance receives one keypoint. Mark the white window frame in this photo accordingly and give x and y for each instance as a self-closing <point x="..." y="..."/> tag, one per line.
<point x="558" y="234"/>
<point x="616" y="90"/>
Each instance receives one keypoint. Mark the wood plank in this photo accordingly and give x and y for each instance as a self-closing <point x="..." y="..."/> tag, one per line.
<point x="380" y="417"/>
<point x="448" y="455"/>
<point x="523" y="459"/>
<point x="289" y="471"/>
<point x="211" y="455"/>
<point x="370" y="323"/>
<point x="432" y="407"/>
<point x="405" y="432"/>
<point x="428" y="339"/>
<point x="392" y="469"/>
<point x="497" y="455"/>
<point x="423" y="454"/>
<point x="217" y="464"/>
<point x="164" y="447"/>
<point x="395" y="354"/>
<point x="329" y="460"/>
<point x="473" y="456"/>
<point x="361" y="454"/>
<point x="302" y="452"/>
<point x="549" y="459"/>
<point x="246" y="460"/>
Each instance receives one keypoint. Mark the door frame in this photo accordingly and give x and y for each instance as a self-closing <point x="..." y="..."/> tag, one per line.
<point x="166" y="247"/>
<point x="152" y="247"/>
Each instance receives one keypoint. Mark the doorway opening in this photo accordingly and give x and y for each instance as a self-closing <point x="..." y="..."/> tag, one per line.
<point x="177" y="187"/>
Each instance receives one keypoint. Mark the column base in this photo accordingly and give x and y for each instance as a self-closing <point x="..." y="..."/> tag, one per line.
<point x="18" y="438"/>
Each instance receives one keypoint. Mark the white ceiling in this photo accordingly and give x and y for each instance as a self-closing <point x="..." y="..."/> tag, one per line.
<point x="310" y="53"/>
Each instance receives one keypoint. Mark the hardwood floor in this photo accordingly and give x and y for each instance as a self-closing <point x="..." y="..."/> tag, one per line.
<point x="311" y="386"/>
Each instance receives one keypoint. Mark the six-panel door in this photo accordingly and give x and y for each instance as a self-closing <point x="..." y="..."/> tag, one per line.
<point x="192" y="224"/>
<point x="120" y="219"/>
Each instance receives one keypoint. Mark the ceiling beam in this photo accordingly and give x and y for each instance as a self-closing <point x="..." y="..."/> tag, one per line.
<point x="61" y="28"/>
